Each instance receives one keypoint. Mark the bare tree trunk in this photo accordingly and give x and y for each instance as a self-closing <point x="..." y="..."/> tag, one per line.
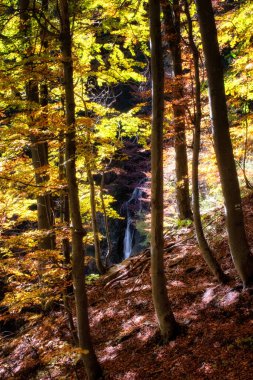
<point x="171" y="14"/>
<point x="167" y="323"/>
<point x="39" y="147"/>
<point x="107" y="230"/>
<point x="44" y="202"/>
<point x="98" y="260"/>
<point x="240" y="252"/>
<point x="88" y="355"/>
<point x="202" y="242"/>
<point x="68" y="290"/>
<point x="64" y="199"/>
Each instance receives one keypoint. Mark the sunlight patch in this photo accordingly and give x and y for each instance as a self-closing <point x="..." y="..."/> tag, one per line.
<point x="229" y="298"/>
<point x="139" y="288"/>
<point x="208" y="296"/>
<point x="130" y="375"/>
<point x="135" y="321"/>
<point x="144" y="336"/>
<point x="105" y="314"/>
<point x="177" y="283"/>
<point x="109" y="353"/>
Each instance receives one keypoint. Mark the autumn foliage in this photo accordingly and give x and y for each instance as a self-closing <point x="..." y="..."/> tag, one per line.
<point x="92" y="142"/>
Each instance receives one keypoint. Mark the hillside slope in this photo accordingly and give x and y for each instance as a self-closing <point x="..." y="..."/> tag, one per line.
<point x="216" y="340"/>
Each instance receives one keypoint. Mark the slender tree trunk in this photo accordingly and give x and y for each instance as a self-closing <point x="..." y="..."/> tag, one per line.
<point x="171" y="14"/>
<point x="107" y="230"/>
<point x="49" y="242"/>
<point x="240" y="252"/>
<point x="68" y="290"/>
<point x="64" y="200"/>
<point x="202" y="242"/>
<point x="167" y="323"/>
<point x="39" y="147"/>
<point x="98" y="260"/>
<point x="88" y="355"/>
<point x="100" y="266"/>
<point x="44" y="202"/>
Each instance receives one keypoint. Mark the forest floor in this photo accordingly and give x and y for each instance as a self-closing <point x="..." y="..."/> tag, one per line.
<point x="216" y="339"/>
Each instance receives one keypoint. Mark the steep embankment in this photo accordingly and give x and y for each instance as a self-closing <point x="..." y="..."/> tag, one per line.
<point x="216" y="341"/>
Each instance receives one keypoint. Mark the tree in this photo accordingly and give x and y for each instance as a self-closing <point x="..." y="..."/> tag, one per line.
<point x="202" y="242"/>
<point x="240" y="252"/>
<point x="88" y="355"/>
<point x="171" y="14"/>
<point x="167" y="323"/>
<point x="101" y="268"/>
<point x="39" y="145"/>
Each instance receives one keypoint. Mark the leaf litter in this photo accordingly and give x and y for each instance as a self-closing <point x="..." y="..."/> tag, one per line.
<point x="216" y="339"/>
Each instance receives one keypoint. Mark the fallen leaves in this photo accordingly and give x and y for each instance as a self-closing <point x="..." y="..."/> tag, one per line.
<point x="215" y="341"/>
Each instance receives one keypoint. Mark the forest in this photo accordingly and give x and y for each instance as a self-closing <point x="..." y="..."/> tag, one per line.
<point x="126" y="189"/>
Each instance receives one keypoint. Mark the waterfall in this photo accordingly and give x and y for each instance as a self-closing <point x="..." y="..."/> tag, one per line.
<point x="128" y="238"/>
<point x="133" y="202"/>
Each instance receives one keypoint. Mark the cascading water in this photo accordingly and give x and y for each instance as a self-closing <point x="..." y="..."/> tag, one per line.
<point x="128" y="238"/>
<point x="133" y="203"/>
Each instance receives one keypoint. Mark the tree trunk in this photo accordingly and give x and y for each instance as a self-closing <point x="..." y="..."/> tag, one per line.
<point x="107" y="230"/>
<point x="222" y="143"/>
<point x="202" y="242"/>
<point x="167" y="323"/>
<point x="88" y="355"/>
<point x="64" y="199"/>
<point x="98" y="260"/>
<point x="39" y="147"/>
<point x="171" y="16"/>
<point x="39" y="151"/>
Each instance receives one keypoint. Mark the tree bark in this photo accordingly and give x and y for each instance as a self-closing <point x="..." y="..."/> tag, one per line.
<point x="39" y="151"/>
<point x="88" y="355"/>
<point x="39" y="147"/>
<point x="171" y="14"/>
<point x="167" y="323"/>
<point x="98" y="260"/>
<point x="202" y="242"/>
<point x="240" y="252"/>
<point x="64" y="200"/>
<point x="107" y="230"/>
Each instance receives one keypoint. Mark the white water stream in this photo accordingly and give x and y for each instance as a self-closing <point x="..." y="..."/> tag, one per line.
<point x="134" y="201"/>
